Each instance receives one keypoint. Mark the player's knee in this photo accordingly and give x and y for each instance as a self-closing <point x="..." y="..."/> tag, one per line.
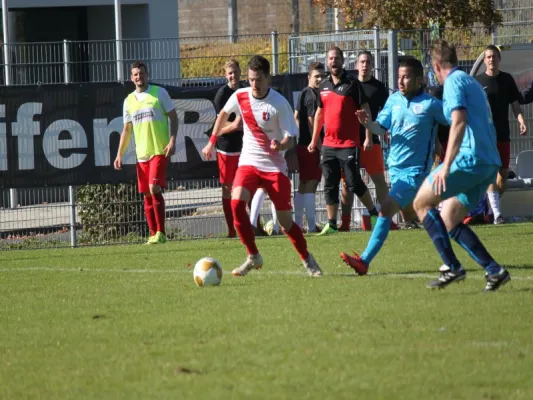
<point x="389" y="207"/>
<point x="358" y="187"/>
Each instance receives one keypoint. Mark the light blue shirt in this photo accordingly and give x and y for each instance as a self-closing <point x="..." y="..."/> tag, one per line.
<point x="411" y="124"/>
<point x="463" y="92"/>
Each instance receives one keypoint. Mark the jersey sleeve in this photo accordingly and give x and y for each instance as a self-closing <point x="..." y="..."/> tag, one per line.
<point x="385" y="116"/>
<point x="165" y="101"/>
<point x="454" y="93"/>
<point x="232" y="105"/>
<point x="287" y="124"/>
<point x="438" y="112"/>
<point x="514" y="93"/>
<point x="126" y="116"/>
<point x="218" y="100"/>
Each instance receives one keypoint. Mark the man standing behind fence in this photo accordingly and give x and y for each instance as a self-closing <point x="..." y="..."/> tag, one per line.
<point x="308" y="163"/>
<point x="502" y="91"/>
<point x="229" y="144"/>
<point x="340" y="97"/>
<point x="146" y="113"/>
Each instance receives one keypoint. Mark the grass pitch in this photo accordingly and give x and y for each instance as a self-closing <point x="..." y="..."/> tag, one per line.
<point x="128" y="322"/>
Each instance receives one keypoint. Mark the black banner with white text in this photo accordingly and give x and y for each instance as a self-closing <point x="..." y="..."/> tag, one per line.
<point x="59" y="135"/>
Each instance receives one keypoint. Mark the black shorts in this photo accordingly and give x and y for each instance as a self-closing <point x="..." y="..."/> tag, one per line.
<point x="333" y="159"/>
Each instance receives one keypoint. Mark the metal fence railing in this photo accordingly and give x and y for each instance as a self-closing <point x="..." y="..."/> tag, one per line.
<point x="53" y="216"/>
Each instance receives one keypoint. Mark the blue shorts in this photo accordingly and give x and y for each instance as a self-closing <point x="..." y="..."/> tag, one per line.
<point x="404" y="187"/>
<point x="467" y="181"/>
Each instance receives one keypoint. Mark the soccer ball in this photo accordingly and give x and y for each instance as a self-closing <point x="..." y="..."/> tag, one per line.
<point x="207" y="272"/>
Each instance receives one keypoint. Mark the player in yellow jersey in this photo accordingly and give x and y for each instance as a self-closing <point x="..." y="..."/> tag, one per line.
<point x="146" y="114"/>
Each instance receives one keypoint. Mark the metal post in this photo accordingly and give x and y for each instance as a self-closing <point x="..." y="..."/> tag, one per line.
<point x="13" y="193"/>
<point x="392" y="49"/>
<point x="275" y="55"/>
<point x="233" y="26"/>
<point x="66" y="61"/>
<point x="118" y="41"/>
<point x="295" y="17"/>
<point x="377" y="55"/>
<point x="72" y="203"/>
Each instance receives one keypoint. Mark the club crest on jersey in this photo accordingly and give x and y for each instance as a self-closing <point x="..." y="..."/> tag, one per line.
<point x="418" y="108"/>
<point x="266" y="116"/>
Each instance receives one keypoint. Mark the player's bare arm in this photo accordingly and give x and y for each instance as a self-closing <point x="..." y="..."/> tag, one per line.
<point x="296" y="119"/>
<point x="125" y="138"/>
<point x="367" y="145"/>
<point x="517" y="111"/>
<point x="170" y="149"/>
<point x="230" y="127"/>
<point x="222" y="118"/>
<point x="371" y="126"/>
<point x="457" y="132"/>
<point x="317" y="127"/>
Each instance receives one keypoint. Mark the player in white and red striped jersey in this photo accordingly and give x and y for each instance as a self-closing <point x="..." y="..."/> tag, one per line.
<point x="269" y="129"/>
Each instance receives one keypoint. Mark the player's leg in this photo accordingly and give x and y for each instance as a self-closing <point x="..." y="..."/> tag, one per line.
<point x="299" y="195"/>
<point x="496" y="190"/>
<point x="453" y="214"/>
<point x="347" y="199"/>
<point x="331" y="169"/>
<point x="309" y="200"/>
<point x="403" y="191"/>
<point x="409" y="216"/>
<point x="349" y="159"/>
<point x="158" y="181"/>
<point x="425" y="205"/>
<point x="255" y="210"/>
<point x="278" y="187"/>
<point x="144" y="188"/>
<point x="246" y="183"/>
<point x="227" y="167"/>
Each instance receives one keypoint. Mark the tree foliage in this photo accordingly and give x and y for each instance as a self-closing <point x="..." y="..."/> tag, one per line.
<point x="408" y="14"/>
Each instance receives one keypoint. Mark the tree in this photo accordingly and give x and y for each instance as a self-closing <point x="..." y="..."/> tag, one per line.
<point x="408" y="14"/>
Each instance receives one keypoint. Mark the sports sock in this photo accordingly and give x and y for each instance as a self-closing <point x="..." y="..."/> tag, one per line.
<point x="373" y="212"/>
<point x="346" y="221"/>
<point x="159" y="210"/>
<point x="297" y="238"/>
<point x="494" y="201"/>
<point x="243" y="226"/>
<point x="228" y="214"/>
<point x="379" y="234"/>
<point x="437" y="232"/>
<point x="275" y="225"/>
<point x="310" y="211"/>
<point x="469" y="241"/>
<point x="255" y="206"/>
<point x="299" y="208"/>
<point x="150" y="215"/>
<point x="332" y="223"/>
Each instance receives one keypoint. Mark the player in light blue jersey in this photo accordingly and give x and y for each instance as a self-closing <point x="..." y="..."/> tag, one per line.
<point x="410" y="115"/>
<point x="470" y="166"/>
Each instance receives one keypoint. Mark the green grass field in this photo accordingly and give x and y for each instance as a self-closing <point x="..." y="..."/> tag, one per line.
<point x="128" y="322"/>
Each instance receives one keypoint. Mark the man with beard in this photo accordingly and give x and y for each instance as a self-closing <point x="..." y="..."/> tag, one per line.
<point x="340" y="97"/>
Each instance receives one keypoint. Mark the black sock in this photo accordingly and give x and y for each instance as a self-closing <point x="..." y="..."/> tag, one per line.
<point x="333" y="223"/>
<point x="373" y="212"/>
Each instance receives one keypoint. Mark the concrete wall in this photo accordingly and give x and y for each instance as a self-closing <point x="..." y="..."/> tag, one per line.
<point x="210" y="17"/>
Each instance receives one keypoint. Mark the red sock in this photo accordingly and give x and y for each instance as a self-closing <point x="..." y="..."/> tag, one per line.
<point x="159" y="211"/>
<point x="243" y="226"/>
<point x="150" y="215"/>
<point x="346" y="220"/>
<point x="297" y="238"/>
<point x="226" y="206"/>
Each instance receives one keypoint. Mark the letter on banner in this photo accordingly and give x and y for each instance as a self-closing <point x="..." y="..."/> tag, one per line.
<point x="102" y="133"/>
<point x="52" y="144"/>
<point x="25" y="129"/>
<point x="196" y="131"/>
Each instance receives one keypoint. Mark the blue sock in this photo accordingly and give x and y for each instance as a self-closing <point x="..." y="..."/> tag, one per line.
<point x="379" y="234"/>
<point x="437" y="232"/>
<point x="469" y="241"/>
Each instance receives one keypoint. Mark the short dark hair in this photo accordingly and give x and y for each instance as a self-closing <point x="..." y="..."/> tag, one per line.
<point x="366" y="53"/>
<point x="259" y="63"/>
<point x="443" y="52"/>
<point x="494" y="49"/>
<point x="336" y="49"/>
<point x="414" y="64"/>
<point x="139" y="64"/>
<point x="315" y="65"/>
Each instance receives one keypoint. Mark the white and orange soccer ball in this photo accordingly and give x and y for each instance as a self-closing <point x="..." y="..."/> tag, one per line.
<point x="207" y="272"/>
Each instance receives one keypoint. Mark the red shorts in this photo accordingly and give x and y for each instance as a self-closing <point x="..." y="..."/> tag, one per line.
<point x="276" y="184"/>
<point x="308" y="164"/>
<point x="153" y="172"/>
<point x="227" y="167"/>
<point x="372" y="160"/>
<point x="504" y="148"/>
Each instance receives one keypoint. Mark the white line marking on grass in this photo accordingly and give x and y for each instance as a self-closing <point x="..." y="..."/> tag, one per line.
<point x="258" y="273"/>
